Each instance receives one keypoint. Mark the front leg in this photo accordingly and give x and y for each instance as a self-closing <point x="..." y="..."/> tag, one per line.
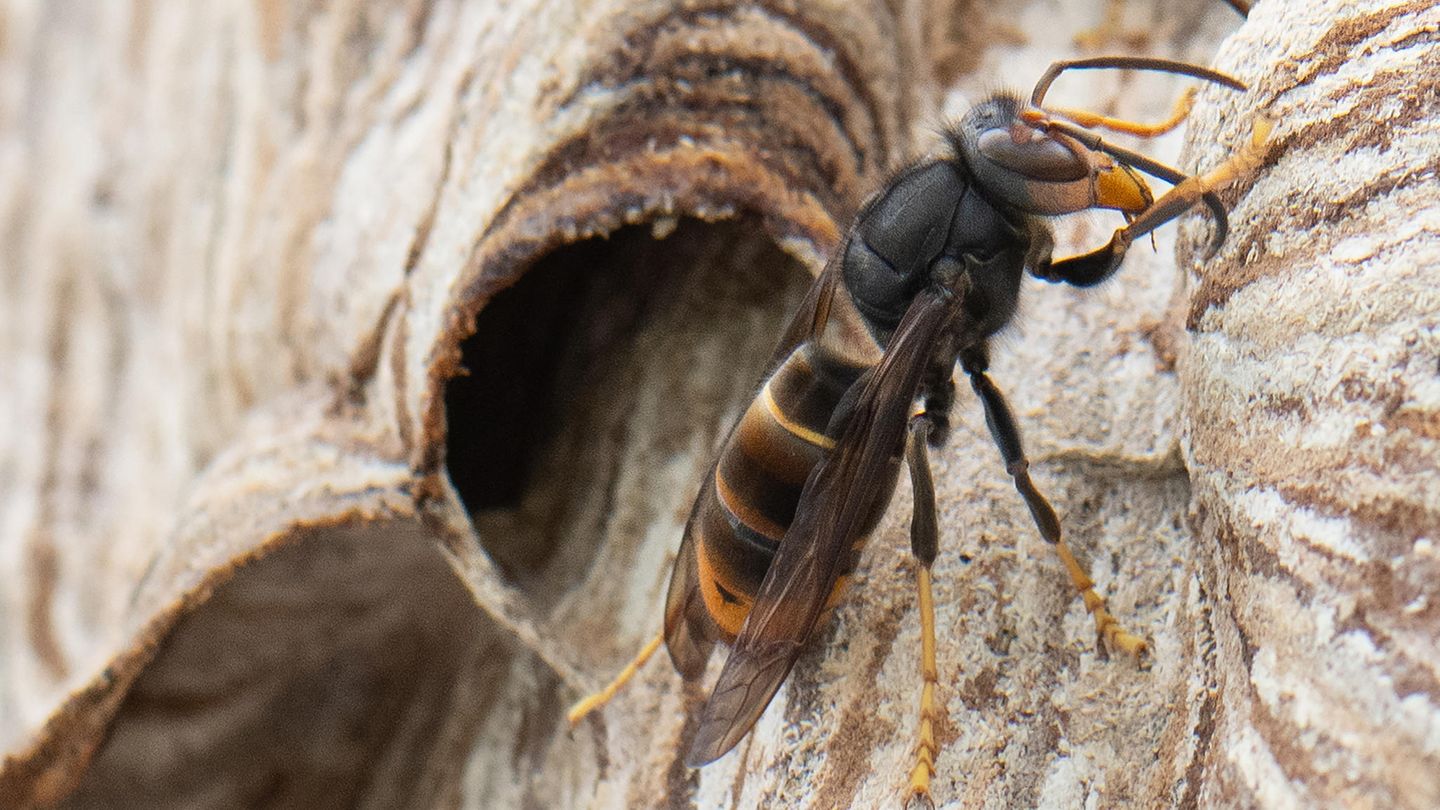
<point x="1089" y="269"/>
<point x="1085" y="270"/>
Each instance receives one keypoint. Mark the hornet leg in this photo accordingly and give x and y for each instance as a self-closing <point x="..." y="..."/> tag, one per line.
<point x="925" y="427"/>
<point x="590" y="703"/>
<point x="1089" y="269"/>
<point x="1007" y="437"/>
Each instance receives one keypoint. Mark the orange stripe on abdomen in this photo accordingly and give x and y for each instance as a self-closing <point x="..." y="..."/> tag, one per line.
<point x="745" y="510"/>
<point x="726" y="603"/>
<point x="781" y="438"/>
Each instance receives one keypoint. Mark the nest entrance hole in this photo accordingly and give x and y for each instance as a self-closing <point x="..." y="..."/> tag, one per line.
<point x="599" y="384"/>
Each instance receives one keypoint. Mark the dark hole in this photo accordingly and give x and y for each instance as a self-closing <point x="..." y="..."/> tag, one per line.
<point x="518" y="367"/>
<point x="607" y="354"/>
<point x="303" y="677"/>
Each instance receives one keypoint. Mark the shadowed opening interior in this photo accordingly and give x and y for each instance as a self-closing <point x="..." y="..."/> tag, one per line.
<point x="315" y="678"/>
<point x="607" y="363"/>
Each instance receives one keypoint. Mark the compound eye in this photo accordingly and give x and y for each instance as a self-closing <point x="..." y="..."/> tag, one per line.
<point x="1032" y="155"/>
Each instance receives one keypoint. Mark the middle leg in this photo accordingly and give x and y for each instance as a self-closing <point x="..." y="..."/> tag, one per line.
<point x="1007" y="437"/>
<point x="927" y="428"/>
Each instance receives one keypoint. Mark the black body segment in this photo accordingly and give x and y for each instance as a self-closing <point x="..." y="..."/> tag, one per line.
<point x="929" y="220"/>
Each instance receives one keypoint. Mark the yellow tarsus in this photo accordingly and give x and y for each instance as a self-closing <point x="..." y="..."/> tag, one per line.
<point x="927" y="748"/>
<point x="1245" y="160"/>
<point x="590" y="703"/>
<point x="1112" y="634"/>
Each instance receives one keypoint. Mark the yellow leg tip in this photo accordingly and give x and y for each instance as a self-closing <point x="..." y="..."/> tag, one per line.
<point x="586" y="705"/>
<point x="919" y="793"/>
<point x="1260" y="130"/>
<point x="580" y="708"/>
<point x="926" y="747"/>
<point x="919" y="800"/>
<point x="1114" y="638"/>
<point x="1136" y="648"/>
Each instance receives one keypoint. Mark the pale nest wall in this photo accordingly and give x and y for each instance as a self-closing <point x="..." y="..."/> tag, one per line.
<point x="1312" y="395"/>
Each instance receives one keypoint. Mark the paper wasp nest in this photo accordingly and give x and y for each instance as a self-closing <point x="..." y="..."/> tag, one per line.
<point x="262" y="546"/>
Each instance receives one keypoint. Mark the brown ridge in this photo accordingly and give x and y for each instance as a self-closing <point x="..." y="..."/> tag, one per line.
<point x="42" y="559"/>
<point x="1338" y="44"/>
<point x="646" y="122"/>
<point x="629" y="62"/>
<point x="686" y="179"/>
<point x="1205" y="724"/>
<point x="1410" y="677"/>
<point x="849" y="752"/>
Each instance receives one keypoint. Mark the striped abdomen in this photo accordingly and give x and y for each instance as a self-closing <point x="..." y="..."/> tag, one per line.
<point x="750" y="500"/>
